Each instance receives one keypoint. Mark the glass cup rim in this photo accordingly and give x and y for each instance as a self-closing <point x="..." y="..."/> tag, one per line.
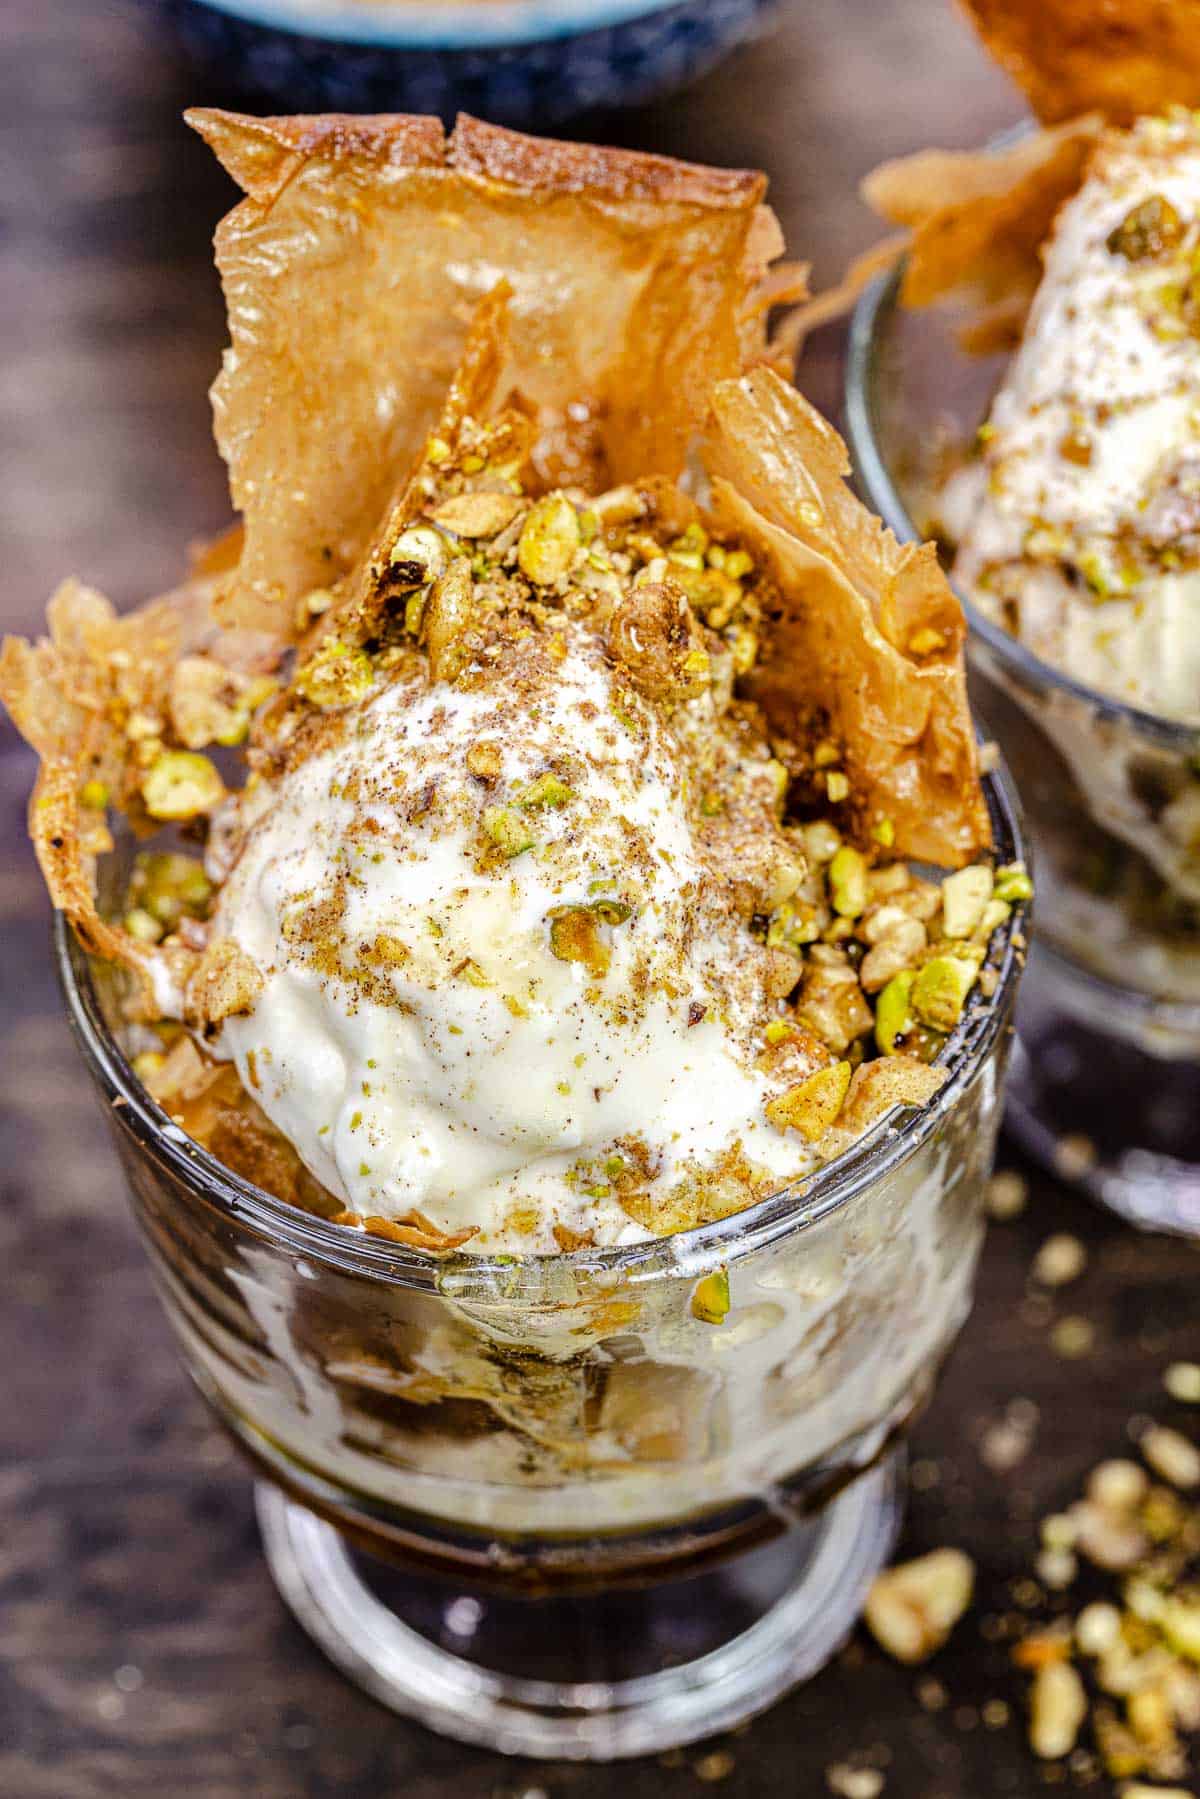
<point x="795" y="1207"/>
<point x="876" y="307"/>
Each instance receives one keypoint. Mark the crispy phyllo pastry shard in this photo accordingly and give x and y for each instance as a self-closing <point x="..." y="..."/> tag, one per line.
<point x="350" y="271"/>
<point x="1123" y="58"/>
<point x="977" y="219"/>
<point x="867" y="650"/>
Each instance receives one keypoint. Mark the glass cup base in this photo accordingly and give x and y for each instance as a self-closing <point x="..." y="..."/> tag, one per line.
<point x="649" y="1669"/>
<point x="1100" y="1100"/>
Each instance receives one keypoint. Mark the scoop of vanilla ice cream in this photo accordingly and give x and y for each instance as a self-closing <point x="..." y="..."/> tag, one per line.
<point x="1079" y="526"/>
<point x="417" y="1038"/>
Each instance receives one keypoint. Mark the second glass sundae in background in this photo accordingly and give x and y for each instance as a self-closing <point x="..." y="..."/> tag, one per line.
<point x="1064" y="484"/>
<point x="559" y="1101"/>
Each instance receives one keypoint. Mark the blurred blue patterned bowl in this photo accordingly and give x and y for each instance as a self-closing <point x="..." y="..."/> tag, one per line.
<point x="528" y="63"/>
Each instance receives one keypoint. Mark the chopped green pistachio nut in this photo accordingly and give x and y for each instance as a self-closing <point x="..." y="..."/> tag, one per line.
<point x="505" y="828"/>
<point x="744" y="644"/>
<point x="837" y="786"/>
<point x="514" y="1005"/>
<point x="436" y="450"/>
<point x="181" y="784"/>
<point x="1147" y="229"/>
<point x="549" y="540"/>
<point x="710" y="1301"/>
<point x="235" y="732"/>
<point x="611" y="911"/>
<point x="792" y="925"/>
<point x="471" y="972"/>
<point x="893" y="1011"/>
<point x="414" y="612"/>
<point x="813" y="1104"/>
<point x="167" y="885"/>
<point x="711" y="805"/>
<point x="692" y="537"/>
<point x="779" y="1030"/>
<point x="389" y="949"/>
<point x="614" y="1167"/>
<point x="994" y="913"/>
<point x="786" y="877"/>
<point x="1012" y="883"/>
<point x="1180" y="1623"/>
<point x="884" y="833"/>
<point x="94" y="794"/>
<point x="148" y="1063"/>
<point x="738" y="564"/>
<point x="575" y="937"/>
<point x="419" y="555"/>
<point x="964" y="896"/>
<point x="143" y="925"/>
<point x="848" y="882"/>
<point x="821" y="840"/>
<point x="940" y="990"/>
<point x="336" y="676"/>
<point x="546" y="791"/>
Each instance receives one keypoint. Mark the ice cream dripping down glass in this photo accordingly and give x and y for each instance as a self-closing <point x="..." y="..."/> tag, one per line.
<point x="555" y="1504"/>
<point x="1106" y="1068"/>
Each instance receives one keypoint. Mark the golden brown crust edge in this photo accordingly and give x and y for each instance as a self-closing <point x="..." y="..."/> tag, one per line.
<point x="262" y="153"/>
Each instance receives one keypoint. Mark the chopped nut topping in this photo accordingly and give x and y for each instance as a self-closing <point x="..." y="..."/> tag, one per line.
<point x="225" y="983"/>
<point x="912" y="1608"/>
<point x="813" y="1105"/>
<point x="477" y="514"/>
<point x="181" y="784"/>
<point x="550" y="540"/>
<point x="1148" y="229"/>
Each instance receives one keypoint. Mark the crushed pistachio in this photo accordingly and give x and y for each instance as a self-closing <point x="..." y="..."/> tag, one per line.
<point x="548" y="791"/>
<point x="710" y="1300"/>
<point x="549" y="540"/>
<point x="847" y="876"/>
<point x="893" y="1012"/>
<point x="1147" y="230"/>
<point x="419" y="555"/>
<point x="912" y="1608"/>
<point x="181" y="784"/>
<point x="940" y="988"/>
<point x="812" y="1106"/>
<point x="965" y="894"/>
<point x="337" y="675"/>
<point x="507" y="831"/>
<point x="1012" y="884"/>
<point x="575" y="936"/>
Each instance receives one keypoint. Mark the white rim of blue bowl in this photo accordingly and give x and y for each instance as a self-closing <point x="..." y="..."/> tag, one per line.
<point x="475" y="25"/>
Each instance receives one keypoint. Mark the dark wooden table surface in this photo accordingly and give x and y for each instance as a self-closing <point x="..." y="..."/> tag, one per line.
<point x="142" y="1647"/>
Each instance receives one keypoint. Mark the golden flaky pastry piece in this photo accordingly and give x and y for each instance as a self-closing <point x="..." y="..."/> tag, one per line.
<point x="869" y="645"/>
<point x="622" y="300"/>
<point x="350" y="272"/>
<point x="977" y="220"/>
<point x="1122" y="58"/>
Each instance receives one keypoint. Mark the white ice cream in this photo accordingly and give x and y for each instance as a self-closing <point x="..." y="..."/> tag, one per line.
<point x="468" y="1072"/>
<point x="1079" y="526"/>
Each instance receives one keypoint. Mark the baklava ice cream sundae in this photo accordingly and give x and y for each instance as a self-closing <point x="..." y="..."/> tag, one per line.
<point x="550" y="827"/>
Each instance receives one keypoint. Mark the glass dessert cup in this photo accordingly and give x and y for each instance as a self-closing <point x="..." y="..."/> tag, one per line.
<point x="587" y="1505"/>
<point x="1108" y="1044"/>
